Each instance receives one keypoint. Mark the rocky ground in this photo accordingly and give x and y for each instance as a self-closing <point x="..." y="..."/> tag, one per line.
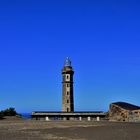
<point x="12" y="129"/>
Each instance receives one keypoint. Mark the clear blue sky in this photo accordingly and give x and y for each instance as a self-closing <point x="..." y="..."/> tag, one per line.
<point x="102" y="38"/>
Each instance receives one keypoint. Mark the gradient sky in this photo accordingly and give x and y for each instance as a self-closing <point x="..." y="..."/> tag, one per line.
<point x="102" y="38"/>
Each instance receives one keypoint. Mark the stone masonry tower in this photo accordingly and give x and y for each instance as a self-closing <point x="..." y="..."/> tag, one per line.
<point x="67" y="87"/>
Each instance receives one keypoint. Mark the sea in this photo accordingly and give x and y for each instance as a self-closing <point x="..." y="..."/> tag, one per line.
<point x="26" y="115"/>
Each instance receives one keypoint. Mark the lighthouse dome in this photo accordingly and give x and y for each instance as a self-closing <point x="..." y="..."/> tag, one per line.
<point x="67" y="62"/>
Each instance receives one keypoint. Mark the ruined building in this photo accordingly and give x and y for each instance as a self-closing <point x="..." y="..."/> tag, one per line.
<point x="121" y="111"/>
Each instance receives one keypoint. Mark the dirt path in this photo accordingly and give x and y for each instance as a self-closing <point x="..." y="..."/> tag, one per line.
<point x="42" y="130"/>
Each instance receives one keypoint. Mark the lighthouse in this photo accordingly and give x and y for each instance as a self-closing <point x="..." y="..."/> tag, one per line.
<point x="67" y="87"/>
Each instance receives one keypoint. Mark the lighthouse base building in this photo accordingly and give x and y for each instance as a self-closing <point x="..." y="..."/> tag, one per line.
<point x="89" y="116"/>
<point x="68" y="112"/>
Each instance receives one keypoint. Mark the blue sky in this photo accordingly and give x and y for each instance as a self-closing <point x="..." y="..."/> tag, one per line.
<point x="102" y="38"/>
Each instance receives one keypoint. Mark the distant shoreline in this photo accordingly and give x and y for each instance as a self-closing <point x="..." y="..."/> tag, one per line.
<point x="26" y="115"/>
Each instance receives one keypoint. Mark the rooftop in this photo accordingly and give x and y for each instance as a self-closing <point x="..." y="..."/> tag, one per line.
<point x="126" y="106"/>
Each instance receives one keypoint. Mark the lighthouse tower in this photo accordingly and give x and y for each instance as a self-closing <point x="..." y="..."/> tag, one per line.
<point x="67" y="87"/>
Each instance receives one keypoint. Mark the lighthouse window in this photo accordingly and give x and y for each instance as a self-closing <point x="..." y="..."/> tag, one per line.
<point x="67" y="77"/>
<point x="67" y="101"/>
<point x="67" y="85"/>
<point x="67" y="93"/>
<point x="67" y="109"/>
